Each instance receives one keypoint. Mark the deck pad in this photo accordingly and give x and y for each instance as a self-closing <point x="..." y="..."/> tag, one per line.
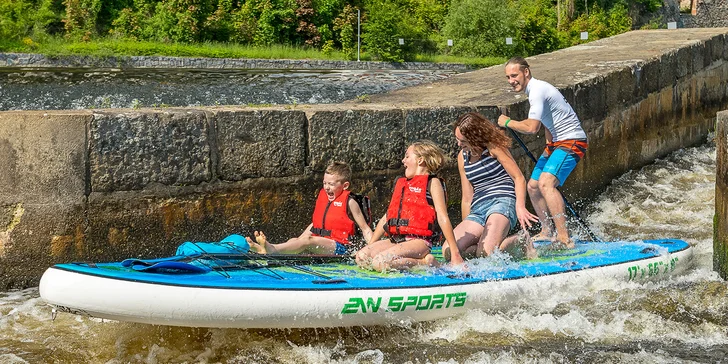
<point x="346" y="275"/>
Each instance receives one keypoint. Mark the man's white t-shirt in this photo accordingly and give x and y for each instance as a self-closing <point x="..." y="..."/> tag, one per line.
<point x="549" y="107"/>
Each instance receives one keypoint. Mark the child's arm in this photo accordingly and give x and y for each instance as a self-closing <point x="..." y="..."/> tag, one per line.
<point x="306" y="233"/>
<point x="466" y="187"/>
<point x="438" y="198"/>
<point x="360" y="220"/>
<point x="379" y="230"/>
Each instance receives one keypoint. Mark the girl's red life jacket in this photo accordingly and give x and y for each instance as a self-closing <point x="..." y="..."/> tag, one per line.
<point x="331" y="218"/>
<point x="409" y="212"/>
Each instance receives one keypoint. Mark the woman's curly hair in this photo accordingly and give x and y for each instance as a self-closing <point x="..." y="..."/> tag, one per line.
<point x="480" y="132"/>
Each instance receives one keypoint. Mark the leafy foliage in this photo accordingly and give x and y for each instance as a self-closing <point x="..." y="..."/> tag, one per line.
<point x="81" y="17"/>
<point x="600" y="24"/>
<point x="345" y="24"/>
<point x="385" y="26"/>
<point x="15" y="18"/>
<point x="478" y="28"/>
<point x="537" y="30"/>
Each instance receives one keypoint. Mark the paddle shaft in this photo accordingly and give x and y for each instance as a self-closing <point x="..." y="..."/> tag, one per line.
<point x="566" y="202"/>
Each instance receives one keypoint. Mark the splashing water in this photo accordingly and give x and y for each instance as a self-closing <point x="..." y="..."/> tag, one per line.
<point x="684" y="319"/>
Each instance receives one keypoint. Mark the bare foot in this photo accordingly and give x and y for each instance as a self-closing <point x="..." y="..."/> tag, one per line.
<point x="542" y="236"/>
<point x="430" y="260"/>
<point x="262" y="241"/>
<point x="561" y="245"/>
<point x="255" y="246"/>
<point x="527" y="244"/>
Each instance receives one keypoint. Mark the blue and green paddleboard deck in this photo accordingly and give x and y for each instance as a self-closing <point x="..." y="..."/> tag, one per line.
<point x="249" y="291"/>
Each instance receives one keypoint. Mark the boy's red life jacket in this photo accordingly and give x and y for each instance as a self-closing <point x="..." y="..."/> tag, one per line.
<point x="409" y="212"/>
<point x="331" y="218"/>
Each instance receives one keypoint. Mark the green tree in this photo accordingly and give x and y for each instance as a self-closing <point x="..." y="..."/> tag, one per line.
<point x="537" y="28"/>
<point x="15" y="19"/>
<point x="218" y="26"/>
<point x="345" y="24"/>
<point x="265" y="22"/>
<point x="325" y="14"/>
<point x="180" y="20"/>
<point x="81" y="17"/>
<point x="426" y="22"/>
<point x="479" y="28"/>
<point x="386" y="25"/>
<point x="600" y="23"/>
<point x="48" y="18"/>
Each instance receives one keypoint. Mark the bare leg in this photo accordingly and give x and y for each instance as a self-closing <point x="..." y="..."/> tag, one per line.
<point x="542" y="210"/>
<point x="467" y="234"/>
<point x="547" y="184"/>
<point x="496" y="229"/>
<point x="310" y="244"/>
<point x="403" y="256"/>
<point x="364" y="256"/>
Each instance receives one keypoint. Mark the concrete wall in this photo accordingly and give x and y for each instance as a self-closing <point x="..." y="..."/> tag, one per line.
<point x="107" y="185"/>
<point x="720" y="224"/>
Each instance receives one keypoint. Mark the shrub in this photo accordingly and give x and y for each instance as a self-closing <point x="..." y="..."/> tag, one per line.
<point x="15" y="19"/>
<point x="346" y="26"/>
<point x="479" y="28"/>
<point x="600" y="23"/>
<point x="537" y="28"/>
<point x="81" y="17"/>
<point x="383" y="29"/>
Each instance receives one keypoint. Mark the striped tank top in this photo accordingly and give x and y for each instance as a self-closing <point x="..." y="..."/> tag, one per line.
<point x="488" y="177"/>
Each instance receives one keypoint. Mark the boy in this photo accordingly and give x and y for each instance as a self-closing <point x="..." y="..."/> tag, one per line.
<point x="335" y="218"/>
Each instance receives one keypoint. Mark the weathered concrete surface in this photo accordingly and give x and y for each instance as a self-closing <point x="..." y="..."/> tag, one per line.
<point x="42" y="190"/>
<point x="131" y="150"/>
<point x="720" y="223"/>
<point x="91" y="185"/>
<point x="265" y="143"/>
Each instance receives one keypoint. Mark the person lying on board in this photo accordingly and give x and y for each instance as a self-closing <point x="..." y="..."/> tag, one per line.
<point x="566" y="144"/>
<point x="417" y="207"/>
<point x="493" y="192"/>
<point x="334" y="224"/>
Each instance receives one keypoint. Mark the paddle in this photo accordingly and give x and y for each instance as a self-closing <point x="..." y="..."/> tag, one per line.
<point x="506" y="112"/>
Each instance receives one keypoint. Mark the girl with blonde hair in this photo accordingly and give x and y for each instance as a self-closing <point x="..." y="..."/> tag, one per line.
<point x="416" y="213"/>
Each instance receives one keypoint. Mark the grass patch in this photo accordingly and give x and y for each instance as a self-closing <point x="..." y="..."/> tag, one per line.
<point x="470" y="61"/>
<point x="204" y="50"/>
<point x="57" y="46"/>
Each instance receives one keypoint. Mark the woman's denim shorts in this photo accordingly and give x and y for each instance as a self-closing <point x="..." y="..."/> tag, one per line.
<point x="505" y="206"/>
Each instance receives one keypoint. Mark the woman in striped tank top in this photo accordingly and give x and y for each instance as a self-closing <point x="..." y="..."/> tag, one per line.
<point x="493" y="191"/>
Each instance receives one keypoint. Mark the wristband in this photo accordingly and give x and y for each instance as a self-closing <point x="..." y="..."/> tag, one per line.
<point x="507" y="121"/>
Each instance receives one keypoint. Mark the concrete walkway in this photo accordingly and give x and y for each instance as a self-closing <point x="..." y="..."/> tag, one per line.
<point x="567" y="67"/>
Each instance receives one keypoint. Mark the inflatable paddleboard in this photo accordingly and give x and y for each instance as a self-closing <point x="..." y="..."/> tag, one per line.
<point x="246" y="291"/>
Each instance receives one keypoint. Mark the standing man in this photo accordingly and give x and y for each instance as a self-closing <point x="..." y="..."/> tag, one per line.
<point x="566" y="143"/>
